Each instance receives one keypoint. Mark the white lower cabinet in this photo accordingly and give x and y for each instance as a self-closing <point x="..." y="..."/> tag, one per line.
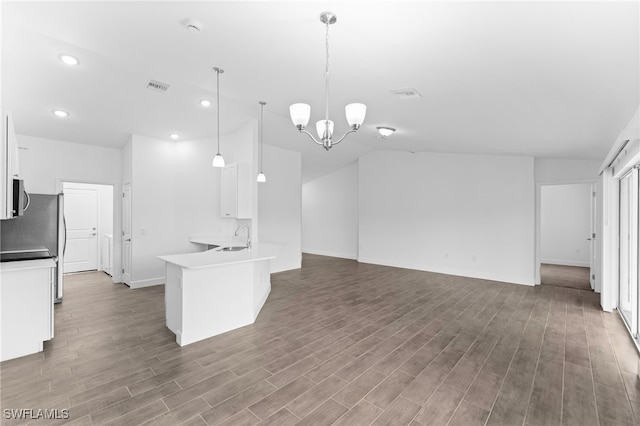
<point x="26" y="307"/>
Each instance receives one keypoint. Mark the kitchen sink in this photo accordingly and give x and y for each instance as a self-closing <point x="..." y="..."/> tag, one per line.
<point x="232" y="248"/>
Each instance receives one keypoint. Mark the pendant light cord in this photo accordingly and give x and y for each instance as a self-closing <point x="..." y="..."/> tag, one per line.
<point x="262" y="104"/>
<point x="218" y="104"/>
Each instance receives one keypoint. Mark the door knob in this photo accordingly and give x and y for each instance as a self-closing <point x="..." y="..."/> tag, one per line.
<point x="588" y="239"/>
<point x="94" y="234"/>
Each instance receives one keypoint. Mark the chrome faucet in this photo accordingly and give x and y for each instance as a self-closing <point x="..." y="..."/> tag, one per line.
<point x="244" y="225"/>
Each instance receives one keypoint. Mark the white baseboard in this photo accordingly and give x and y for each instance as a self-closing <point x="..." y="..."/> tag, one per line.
<point x="147" y="283"/>
<point x="565" y="262"/>
<point x="331" y="254"/>
<point x="513" y="279"/>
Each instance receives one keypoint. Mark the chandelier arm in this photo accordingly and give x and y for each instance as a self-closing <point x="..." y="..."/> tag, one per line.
<point x="311" y="136"/>
<point x="343" y="136"/>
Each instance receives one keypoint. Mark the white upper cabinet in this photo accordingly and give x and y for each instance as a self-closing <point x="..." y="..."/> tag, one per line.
<point x="236" y="191"/>
<point x="10" y="166"/>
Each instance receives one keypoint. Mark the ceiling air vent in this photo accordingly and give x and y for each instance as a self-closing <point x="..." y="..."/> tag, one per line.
<point x="408" y="93"/>
<point x="158" y="86"/>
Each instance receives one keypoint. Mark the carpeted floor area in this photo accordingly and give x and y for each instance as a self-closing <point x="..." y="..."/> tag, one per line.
<point x="565" y="276"/>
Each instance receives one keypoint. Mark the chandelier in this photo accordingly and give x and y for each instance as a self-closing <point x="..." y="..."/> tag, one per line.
<point x="300" y="112"/>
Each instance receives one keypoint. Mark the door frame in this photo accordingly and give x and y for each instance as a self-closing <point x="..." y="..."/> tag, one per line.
<point x="126" y="218"/>
<point x="538" y="224"/>
<point x="633" y="222"/>
<point x="116" y="277"/>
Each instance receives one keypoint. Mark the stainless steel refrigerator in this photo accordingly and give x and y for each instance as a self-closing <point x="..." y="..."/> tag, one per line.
<point x="41" y="227"/>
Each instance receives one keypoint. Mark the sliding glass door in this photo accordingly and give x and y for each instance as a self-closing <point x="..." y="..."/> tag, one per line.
<point x="628" y="239"/>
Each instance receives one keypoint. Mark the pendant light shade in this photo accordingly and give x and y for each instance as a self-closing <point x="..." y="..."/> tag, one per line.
<point x="261" y="177"/>
<point x="324" y="131"/>
<point x="218" y="161"/>
<point x="300" y="114"/>
<point x="355" y="114"/>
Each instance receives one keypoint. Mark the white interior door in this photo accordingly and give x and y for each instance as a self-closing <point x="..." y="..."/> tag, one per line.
<point x="81" y="214"/>
<point x="126" y="233"/>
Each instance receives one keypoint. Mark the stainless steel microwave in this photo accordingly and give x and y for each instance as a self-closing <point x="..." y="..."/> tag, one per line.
<point x="20" y="198"/>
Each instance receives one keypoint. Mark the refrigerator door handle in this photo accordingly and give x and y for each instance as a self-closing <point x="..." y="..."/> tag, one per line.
<point x="27" y="202"/>
<point x="64" y="223"/>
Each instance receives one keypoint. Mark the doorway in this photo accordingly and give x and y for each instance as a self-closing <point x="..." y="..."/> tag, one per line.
<point x="567" y="230"/>
<point x="88" y="210"/>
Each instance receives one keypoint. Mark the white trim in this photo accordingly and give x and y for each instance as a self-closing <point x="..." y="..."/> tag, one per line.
<point x="512" y="279"/>
<point x="147" y="283"/>
<point x="562" y="262"/>
<point x="331" y="254"/>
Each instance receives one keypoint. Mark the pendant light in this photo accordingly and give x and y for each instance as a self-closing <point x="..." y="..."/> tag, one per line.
<point x="218" y="161"/>
<point x="300" y="112"/>
<point x="261" y="177"/>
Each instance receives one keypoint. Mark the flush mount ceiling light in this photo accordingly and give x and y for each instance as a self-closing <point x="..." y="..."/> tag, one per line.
<point x="174" y="136"/>
<point x="300" y="112"/>
<point x="68" y="59"/>
<point x="60" y="113"/>
<point x="218" y="161"/>
<point x="261" y="176"/>
<point x="385" y="131"/>
<point x="192" y="25"/>
<point x="205" y="103"/>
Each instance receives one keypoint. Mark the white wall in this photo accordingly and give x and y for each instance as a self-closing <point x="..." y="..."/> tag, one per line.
<point x="565" y="224"/>
<point x="176" y="194"/>
<point x="46" y="163"/>
<point x="280" y="204"/>
<point x="153" y="209"/>
<point x="330" y="214"/>
<point x="469" y="215"/>
<point x="561" y="170"/>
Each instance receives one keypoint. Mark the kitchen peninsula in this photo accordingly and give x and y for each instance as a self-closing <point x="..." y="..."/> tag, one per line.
<point x="211" y="292"/>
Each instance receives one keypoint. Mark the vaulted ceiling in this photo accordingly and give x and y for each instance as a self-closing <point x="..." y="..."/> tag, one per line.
<point x="544" y="79"/>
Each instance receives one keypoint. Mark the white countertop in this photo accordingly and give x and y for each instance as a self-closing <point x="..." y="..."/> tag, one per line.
<point x="27" y="264"/>
<point x="215" y="257"/>
<point x="215" y="240"/>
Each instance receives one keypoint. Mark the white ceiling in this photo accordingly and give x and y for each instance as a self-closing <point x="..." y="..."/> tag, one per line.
<point x="544" y="79"/>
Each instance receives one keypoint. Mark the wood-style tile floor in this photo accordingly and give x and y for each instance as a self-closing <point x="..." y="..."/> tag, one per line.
<point x="338" y="343"/>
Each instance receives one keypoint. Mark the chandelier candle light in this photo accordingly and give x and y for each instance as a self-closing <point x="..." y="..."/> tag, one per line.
<point x="218" y="161"/>
<point x="300" y="112"/>
<point x="261" y="176"/>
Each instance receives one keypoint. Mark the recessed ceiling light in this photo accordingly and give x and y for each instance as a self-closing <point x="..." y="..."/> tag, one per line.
<point x="174" y="136"/>
<point x="60" y="113"/>
<point x="68" y="59"/>
<point x="205" y="103"/>
<point x="385" y="131"/>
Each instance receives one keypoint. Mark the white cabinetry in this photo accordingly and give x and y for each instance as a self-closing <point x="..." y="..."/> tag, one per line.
<point x="106" y="254"/>
<point x="9" y="165"/>
<point x="236" y="191"/>
<point x="26" y="306"/>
